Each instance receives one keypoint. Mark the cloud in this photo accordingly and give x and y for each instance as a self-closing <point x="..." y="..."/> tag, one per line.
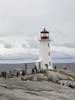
<point x="65" y="44"/>
<point x="8" y="46"/>
<point x="31" y="44"/>
<point x="57" y="54"/>
<point x="6" y="43"/>
<point x="24" y="45"/>
<point x="28" y="17"/>
<point x="21" y="22"/>
<point x="70" y="45"/>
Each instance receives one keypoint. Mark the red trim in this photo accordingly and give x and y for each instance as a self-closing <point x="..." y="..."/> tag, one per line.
<point x="44" y="37"/>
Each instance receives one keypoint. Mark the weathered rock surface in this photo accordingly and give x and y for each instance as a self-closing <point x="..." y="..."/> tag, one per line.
<point x="53" y="76"/>
<point x="12" y="89"/>
<point x="40" y="86"/>
<point x="56" y="76"/>
<point x="68" y="73"/>
<point x="41" y="77"/>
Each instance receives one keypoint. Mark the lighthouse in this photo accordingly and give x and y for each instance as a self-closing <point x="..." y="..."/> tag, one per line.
<point x="45" y="50"/>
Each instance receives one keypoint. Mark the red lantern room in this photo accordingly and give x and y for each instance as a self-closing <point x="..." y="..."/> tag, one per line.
<point x="44" y="34"/>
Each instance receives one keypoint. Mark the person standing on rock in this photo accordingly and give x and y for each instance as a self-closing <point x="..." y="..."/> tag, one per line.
<point x="34" y="70"/>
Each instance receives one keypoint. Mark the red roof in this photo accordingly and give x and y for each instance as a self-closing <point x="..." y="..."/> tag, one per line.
<point x="44" y="31"/>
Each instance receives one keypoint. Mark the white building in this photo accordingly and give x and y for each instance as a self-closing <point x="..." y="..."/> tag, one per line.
<point x="45" y="50"/>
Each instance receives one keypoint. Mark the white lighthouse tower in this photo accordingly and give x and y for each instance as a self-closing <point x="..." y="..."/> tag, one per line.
<point x="45" y="50"/>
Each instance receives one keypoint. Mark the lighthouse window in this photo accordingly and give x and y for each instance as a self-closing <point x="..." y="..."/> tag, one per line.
<point x="48" y="44"/>
<point x="49" y="53"/>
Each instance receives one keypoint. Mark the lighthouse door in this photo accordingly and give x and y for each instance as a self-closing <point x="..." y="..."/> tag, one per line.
<point x="46" y="66"/>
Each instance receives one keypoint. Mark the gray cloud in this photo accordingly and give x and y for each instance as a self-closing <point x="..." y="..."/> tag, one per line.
<point x="66" y="44"/>
<point x="22" y="18"/>
<point x="24" y="45"/>
<point x="25" y="17"/>
<point x="70" y="45"/>
<point x="8" y="46"/>
<point x="56" y="54"/>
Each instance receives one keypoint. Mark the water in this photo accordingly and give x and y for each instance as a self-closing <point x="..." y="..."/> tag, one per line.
<point x="70" y="66"/>
<point x="10" y="64"/>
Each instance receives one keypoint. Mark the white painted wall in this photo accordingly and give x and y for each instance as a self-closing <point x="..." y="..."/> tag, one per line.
<point x="44" y="54"/>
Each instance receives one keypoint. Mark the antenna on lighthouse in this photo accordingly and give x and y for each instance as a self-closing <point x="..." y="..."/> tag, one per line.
<point x="45" y="50"/>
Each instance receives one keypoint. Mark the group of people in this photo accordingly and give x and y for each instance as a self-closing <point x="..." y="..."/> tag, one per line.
<point x="34" y="69"/>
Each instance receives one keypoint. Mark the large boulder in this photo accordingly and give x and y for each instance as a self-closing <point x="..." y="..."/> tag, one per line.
<point x="56" y="76"/>
<point x="28" y="71"/>
<point x="68" y="73"/>
<point x="41" y="77"/>
<point x="53" y="76"/>
<point x="28" y="77"/>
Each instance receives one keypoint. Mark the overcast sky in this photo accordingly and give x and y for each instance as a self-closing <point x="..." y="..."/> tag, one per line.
<point x="22" y="20"/>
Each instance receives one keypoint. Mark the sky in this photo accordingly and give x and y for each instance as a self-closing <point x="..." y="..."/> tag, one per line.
<point x="22" y="20"/>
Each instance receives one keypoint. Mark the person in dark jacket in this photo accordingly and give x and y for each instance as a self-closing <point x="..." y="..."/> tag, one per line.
<point x="34" y="70"/>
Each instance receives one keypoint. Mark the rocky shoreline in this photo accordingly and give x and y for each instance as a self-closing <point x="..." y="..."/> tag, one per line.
<point x="49" y="85"/>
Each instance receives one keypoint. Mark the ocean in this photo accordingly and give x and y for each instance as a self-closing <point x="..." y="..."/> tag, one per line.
<point x="10" y="64"/>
